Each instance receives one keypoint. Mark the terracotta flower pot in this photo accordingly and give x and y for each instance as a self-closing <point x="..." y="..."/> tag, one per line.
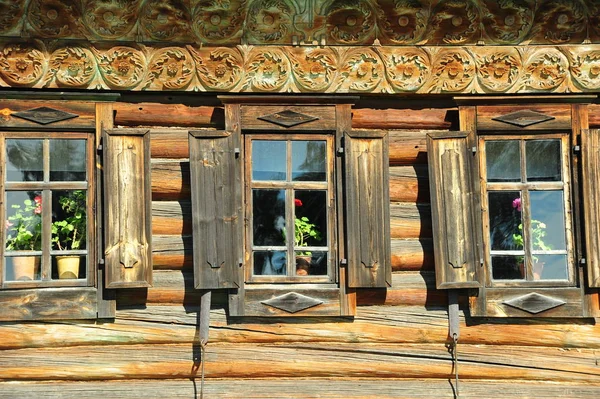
<point x="25" y="268"/>
<point x="68" y="266"/>
<point x="303" y="264"/>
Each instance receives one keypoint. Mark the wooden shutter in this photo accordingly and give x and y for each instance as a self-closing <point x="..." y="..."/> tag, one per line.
<point x="215" y="167"/>
<point x="368" y="209"/>
<point x="452" y="210"/>
<point x="590" y="145"/>
<point x="127" y="208"/>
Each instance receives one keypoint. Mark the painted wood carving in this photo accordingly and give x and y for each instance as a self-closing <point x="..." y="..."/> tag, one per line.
<point x="310" y="69"/>
<point x="286" y="22"/>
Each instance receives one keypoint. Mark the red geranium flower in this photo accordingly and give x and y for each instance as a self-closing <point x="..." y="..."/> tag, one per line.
<point x="297" y="202"/>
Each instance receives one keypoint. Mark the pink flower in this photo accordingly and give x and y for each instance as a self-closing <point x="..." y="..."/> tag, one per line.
<point x="8" y="224"/>
<point x="297" y="202"/>
<point x="38" y="205"/>
<point x="517" y="204"/>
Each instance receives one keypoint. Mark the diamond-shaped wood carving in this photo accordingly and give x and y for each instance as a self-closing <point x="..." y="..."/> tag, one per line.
<point x="44" y="115"/>
<point x="524" y="118"/>
<point x="292" y="302"/>
<point x="288" y="118"/>
<point x="534" y="303"/>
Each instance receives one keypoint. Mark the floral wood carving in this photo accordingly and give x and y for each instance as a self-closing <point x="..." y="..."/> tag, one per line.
<point x="402" y="21"/>
<point x="11" y="12"/>
<point x="55" y="18"/>
<point x="122" y="67"/>
<point x="171" y="68"/>
<point x="220" y="69"/>
<point x="270" y="21"/>
<point x="22" y="64"/>
<point x="498" y="71"/>
<point x="340" y="69"/>
<point x="287" y="22"/>
<point x="110" y="19"/>
<point x="507" y="21"/>
<point x="218" y="21"/>
<point x="350" y="22"/>
<point x="454" y="22"/>
<point x="165" y="20"/>
<point x="73" y="66"/>
<point x="560" y="21"/>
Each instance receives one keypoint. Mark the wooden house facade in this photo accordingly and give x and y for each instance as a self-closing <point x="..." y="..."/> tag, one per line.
<point x="436" y="161"/>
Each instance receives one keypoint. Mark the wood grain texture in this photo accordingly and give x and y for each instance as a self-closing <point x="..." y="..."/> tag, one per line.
<point x="360" y="388"/>
<point x="85" y="115"/>
<point x="154" y="114"/>
<point x="590" y="144"/>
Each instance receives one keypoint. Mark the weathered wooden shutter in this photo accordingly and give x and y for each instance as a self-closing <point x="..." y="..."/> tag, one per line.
<point x="127" y="208"/>
<point x="368" y="209"/>
<point x="453" y="215"/>
<point x="215" y="167"/>
<point x="590" y="146"/>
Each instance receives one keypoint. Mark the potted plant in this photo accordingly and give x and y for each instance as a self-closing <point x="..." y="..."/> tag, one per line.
<point x="69" y="233"/>
<point x="303" y="230"/>
<point x="24" y="233"/>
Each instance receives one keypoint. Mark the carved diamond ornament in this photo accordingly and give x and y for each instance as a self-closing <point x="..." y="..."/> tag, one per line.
<point x="534" y="303"/>
<point x="288" y="118"/>
<point x="292" y="302"/>
<point x="44" y="115"/>
<point x="524" y="118"/>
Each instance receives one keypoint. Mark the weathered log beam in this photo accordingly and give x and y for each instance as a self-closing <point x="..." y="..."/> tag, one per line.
<point x="310" y="360"/>
<point x="295" y="388"/>
<point x="174" y="252"/>
<point x="156" y="114"/>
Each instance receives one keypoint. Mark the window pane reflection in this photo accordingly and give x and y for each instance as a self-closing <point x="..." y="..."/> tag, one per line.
<point x="507" y="267"/>
<point x="310" y="224"/>
<point x="268" y="217"/>
<point x="23" y="268"/>
<point x="268" y="160"/>
<point x="24" y="160"/>
<point x="503" y="161"/>
<point x="67" y="160"/>
<point x="270" y="263"/>
<point x="23" y="221"/>
<point x="506" y="228"/>
<point x="547" y="220"/>
<point x="314" y="264"/>
<point x="309" y="161"/>
<point x="543" y="160"/>
<point x="550" y="267"/>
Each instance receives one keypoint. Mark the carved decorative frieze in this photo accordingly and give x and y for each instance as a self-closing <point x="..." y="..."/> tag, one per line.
<point x="286" y="22"/>
<point x="301" y="69"/>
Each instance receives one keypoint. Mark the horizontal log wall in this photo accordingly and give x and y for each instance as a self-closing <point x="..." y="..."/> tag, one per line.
<point x="396" y="346"/>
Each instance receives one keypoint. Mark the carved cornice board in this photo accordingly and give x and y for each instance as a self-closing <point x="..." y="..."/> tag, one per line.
<point x="301" y="69"/>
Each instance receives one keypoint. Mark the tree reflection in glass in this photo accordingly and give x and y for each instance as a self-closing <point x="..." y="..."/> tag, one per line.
<point x="24" y="160"/>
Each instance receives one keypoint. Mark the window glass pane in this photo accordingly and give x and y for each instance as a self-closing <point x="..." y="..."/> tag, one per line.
<point x="543" y="160"/>
<point x="547" y="220"/>
<point x="23" y="268"/>
<point x="314" y="264"/>
<point x="268" y="217"/>
<point x="550" y="267"/>
<point x="270" y="263"/>
<point x="68" y="267"/>
<point x="506" y="227"/>
<point x="508" y="267"/>
<point x="67" y="160"/>
<point x="309" y="160"/>
<point x="268" y="160"/>
<point x="69" y="231"/>
<point x="23" y="221"/>
<point x="310" y="224"/>
<point x="503" y="161"/>
<point x="24" y="160"/>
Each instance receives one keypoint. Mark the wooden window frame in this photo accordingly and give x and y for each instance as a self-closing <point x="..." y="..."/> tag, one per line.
<point x="47" y="187"/>
<point x="525" y="187"/>
<point x="290" y="187"/>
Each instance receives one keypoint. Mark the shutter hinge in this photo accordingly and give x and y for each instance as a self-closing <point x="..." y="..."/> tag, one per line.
<point x="481" y="262"/>
<point x="576" y="149"/>
<point x="99" y="149"/>
<point x="340" y="151"/>
<point x="344" y="262"/>
<point x="236" y="151"/>
<point x="474" y="150"/>
<point x="582" y="262"/>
